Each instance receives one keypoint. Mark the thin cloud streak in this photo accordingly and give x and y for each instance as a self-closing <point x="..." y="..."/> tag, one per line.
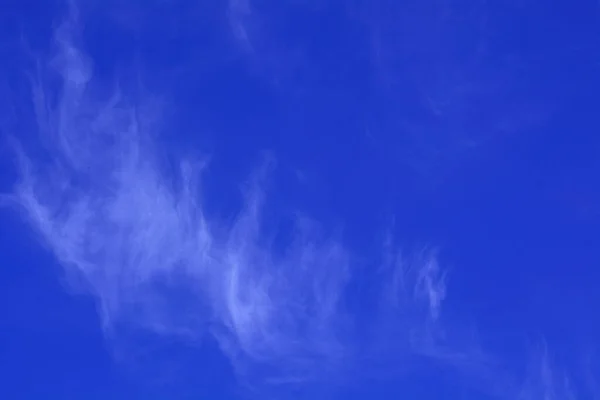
<point x="137" y="237"/>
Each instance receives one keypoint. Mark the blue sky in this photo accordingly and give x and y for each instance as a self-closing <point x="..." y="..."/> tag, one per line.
<point x="246" y="199"/>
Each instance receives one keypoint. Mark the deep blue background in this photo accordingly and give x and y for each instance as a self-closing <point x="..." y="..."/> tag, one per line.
<point x="474" y="126"/>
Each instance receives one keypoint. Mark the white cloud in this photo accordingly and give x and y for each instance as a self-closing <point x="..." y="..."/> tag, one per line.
<point x="137" y="238"/>
<point x="240" y="13"/>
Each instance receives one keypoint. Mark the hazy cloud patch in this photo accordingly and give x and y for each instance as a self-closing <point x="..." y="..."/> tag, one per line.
<point x="126" y="220"/>
<point x="131" y="229"/>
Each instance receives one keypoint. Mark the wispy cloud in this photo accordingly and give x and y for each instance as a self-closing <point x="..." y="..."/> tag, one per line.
<point x="133" y="232"/>
<point x="137" y="236"/>
<point x="545" y="380"/>
<point x="240" y="14"/>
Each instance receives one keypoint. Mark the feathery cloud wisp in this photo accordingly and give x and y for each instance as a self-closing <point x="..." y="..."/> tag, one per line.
<point x="137" y="236"/>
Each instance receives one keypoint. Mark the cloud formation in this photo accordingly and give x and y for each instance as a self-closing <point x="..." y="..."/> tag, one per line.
<point x="132" y="230"/>
<point x="127" y="222"/>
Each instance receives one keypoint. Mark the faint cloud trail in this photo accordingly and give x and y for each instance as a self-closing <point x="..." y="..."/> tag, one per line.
<point x="137" y="237"/>
<point x="134" y="235"/>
